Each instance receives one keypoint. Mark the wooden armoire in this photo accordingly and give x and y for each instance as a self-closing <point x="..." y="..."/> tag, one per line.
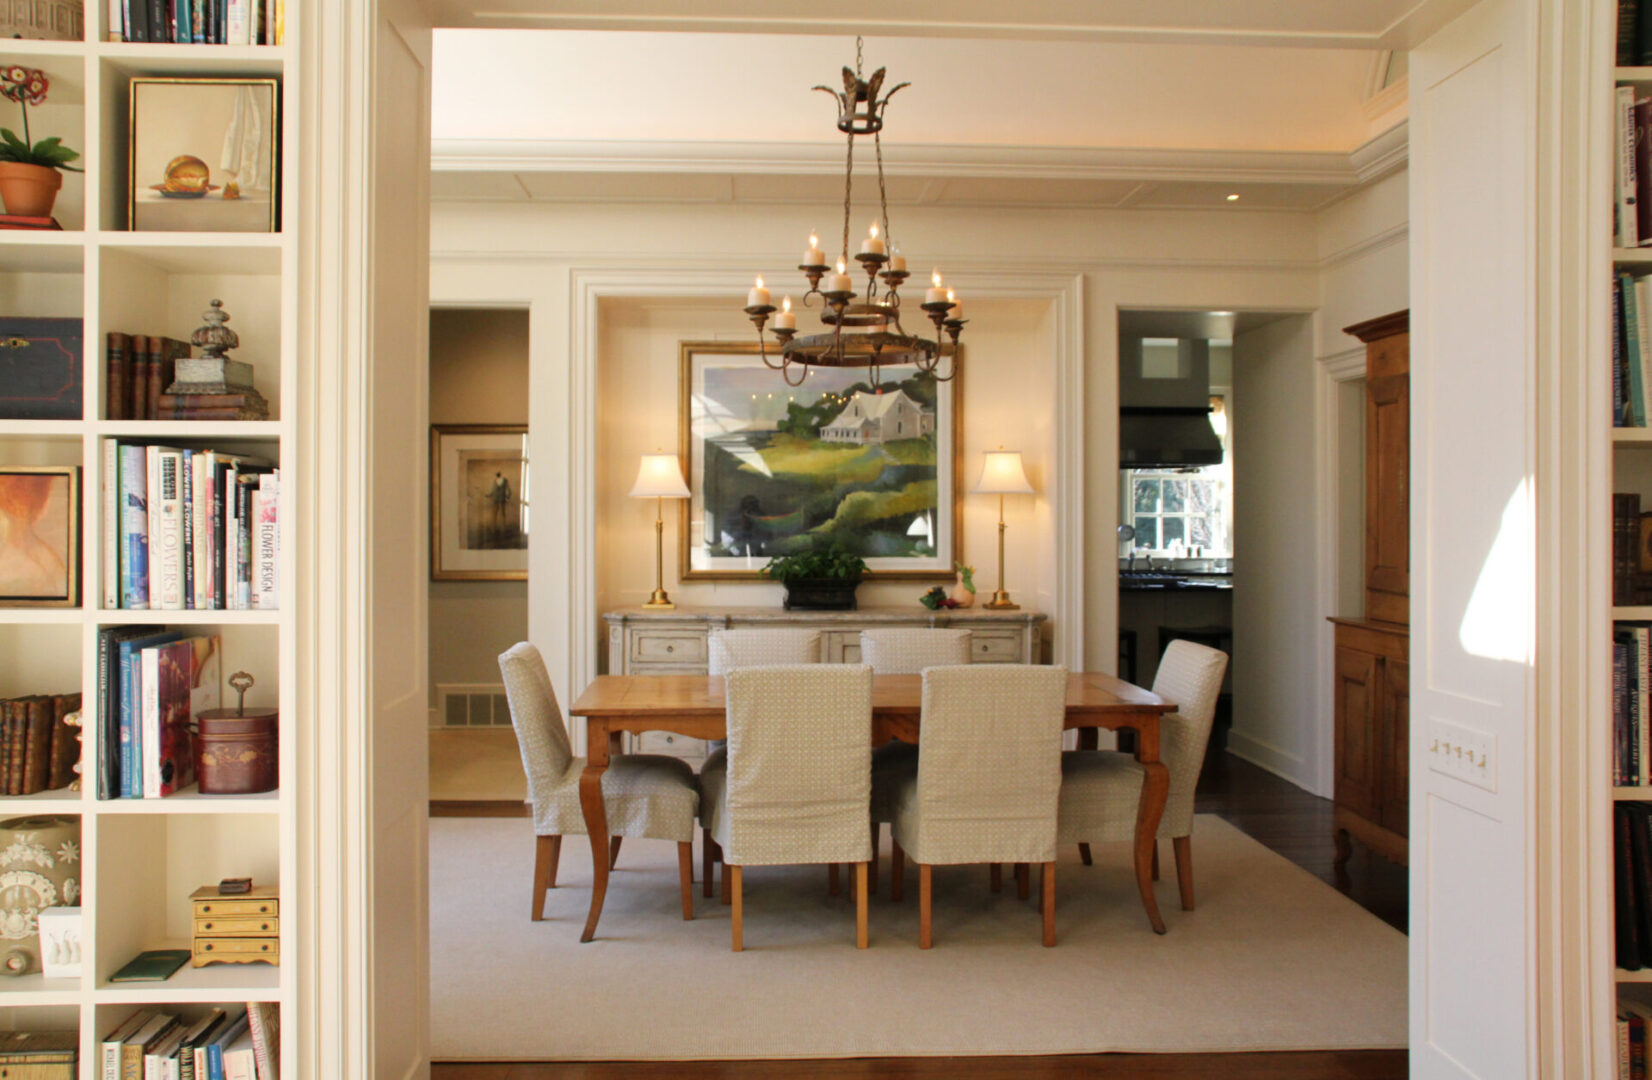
<point x="1372" y="652"/>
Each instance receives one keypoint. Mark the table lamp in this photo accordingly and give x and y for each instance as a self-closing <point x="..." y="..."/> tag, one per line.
<point x="1002" y="474"/>
<point x="659" y="477"/>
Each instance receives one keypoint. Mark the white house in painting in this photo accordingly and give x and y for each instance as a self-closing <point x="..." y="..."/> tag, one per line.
<point x="879" y="418"/>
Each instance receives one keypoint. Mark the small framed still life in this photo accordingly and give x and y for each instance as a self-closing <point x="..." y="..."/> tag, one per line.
<point x="39" y="536"/>
<point x="204" y="154"/>
<point x="479" y="500"/>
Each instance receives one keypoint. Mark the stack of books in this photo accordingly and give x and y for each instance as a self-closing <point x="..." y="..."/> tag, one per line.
<point x="213" y="388"/>
<point x="222" y="1044"/>
<point x="38" y="750"/>
<point x="189" y="529"/>
<point x="40" y="1055"/>
<point x="137" y="369"/>
<point x="203" y="22"/>
<point x="152" y="682"/>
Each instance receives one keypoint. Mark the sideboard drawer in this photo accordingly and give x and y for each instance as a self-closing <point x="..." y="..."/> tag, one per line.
<point x="842" y="646"/>
<point x="996" y="647"/>
<point x="670" y="744"/>
<point x="668" y="647"/>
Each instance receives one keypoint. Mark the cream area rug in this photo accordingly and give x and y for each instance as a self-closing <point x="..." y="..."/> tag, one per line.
<point x="1272" y="959"/>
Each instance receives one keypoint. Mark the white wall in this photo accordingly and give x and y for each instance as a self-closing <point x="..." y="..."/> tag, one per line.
<point x="478" y="375"/>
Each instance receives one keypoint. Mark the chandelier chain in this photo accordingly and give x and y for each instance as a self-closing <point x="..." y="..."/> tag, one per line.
<point x="848" y="188"/>
<point x="859" y="42"/>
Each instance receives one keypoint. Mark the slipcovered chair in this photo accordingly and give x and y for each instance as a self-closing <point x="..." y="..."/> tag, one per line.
<point x="902" y="651"/>
<point x="799" y="775"/>
<point x="727" y="650"/>
<point x="988" y="776"/>
<point x="645" y="795"/>
<point x="1101" y="789"/>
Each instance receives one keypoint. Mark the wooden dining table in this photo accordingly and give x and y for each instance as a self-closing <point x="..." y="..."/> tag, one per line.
<point x="693" y="705"/>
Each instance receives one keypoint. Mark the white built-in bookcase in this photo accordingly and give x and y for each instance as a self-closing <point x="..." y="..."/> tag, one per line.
<point x="142" y="858"/>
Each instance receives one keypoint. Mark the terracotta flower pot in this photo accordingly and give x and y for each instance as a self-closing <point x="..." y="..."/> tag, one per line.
<point x="28" y="190"/>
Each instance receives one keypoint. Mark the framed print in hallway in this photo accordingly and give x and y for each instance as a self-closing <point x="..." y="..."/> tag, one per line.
<point x="479" y="502"/>
<point x="776" y="469"/>
<point x="40" y="536"/>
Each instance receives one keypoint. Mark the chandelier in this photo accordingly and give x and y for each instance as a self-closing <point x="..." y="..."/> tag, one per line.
<point x="879" y="337"/>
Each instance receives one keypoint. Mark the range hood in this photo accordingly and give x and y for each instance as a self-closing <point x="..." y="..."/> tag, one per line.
<point x="1164" y="404"/>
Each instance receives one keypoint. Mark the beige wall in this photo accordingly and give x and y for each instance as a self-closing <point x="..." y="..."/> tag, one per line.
<point x="478" y="375"/>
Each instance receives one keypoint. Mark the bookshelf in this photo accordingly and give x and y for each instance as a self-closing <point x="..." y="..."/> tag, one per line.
<point x="143" y="858"/>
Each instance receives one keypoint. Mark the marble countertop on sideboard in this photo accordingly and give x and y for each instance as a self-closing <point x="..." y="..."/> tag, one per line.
<point x="858" y="617"/>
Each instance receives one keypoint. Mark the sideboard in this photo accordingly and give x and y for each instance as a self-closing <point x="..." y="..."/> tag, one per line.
<point x="647" y="642"/>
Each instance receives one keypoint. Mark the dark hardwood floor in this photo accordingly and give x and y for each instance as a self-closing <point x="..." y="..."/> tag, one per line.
<point x="1275" y="812"/>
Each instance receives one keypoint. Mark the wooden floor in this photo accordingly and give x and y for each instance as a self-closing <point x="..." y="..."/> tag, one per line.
<point x="1278" y="814"/>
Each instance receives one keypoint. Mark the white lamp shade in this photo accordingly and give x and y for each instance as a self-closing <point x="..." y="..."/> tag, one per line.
<point x="659" y="475"/>
<point x="1002" y="474"/>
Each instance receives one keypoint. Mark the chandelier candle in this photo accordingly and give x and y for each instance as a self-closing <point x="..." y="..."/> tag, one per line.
<point x="872" y="245"/>
<point x="936" y="295"/>
<point x="759" y="296"/>
<point x="814" y="256"/>
<point x="897" y="263"/>
<point x="785" y="320"/>
<point x="839" y="282"/>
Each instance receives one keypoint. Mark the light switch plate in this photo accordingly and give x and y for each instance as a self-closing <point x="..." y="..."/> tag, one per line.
<point x="1464" y="753"/>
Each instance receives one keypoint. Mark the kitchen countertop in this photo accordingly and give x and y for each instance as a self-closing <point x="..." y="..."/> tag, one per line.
<point x="1181" y="581"/>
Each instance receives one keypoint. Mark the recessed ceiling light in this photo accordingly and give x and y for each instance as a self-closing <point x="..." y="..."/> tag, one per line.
<point x="1233" y="196"/>
<point x="1222" y="314"/>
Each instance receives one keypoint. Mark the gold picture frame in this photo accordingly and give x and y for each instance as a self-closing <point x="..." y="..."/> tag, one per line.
<point x="40" y="541"/>
<point x="479" y="523"/>
<point x="697" y="408"/>
<point x="203" y="154"/>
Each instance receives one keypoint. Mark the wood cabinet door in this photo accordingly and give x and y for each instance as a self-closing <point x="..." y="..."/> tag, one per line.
<point x="1387" y="486"/>
<point x="1358" y="754"/>
<point x="1395" y="790"/>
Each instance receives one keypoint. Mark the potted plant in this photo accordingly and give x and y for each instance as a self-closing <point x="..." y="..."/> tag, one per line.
<point x="820" y="579"/>
<point x="30" y="172"/>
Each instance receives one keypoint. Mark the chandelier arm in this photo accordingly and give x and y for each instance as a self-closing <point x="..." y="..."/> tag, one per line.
<point x="883" y="192"/>
<point x="763" y="353"/>
<point x="785" y="373"/>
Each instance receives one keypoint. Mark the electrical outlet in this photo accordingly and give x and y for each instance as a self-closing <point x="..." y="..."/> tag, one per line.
<point x="1464" y="753"/>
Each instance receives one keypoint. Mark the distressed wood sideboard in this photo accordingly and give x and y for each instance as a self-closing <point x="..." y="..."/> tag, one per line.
<point x="645" y="642"/>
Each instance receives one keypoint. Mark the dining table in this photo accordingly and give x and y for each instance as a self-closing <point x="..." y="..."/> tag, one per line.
<point x="693" y="705"/>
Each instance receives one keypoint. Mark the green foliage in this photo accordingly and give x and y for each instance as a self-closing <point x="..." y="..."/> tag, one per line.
<point x="933" y="599"/>
<point x="968" y="575"/>
<point x="49" y="152"/>
<point x="832" y="562"/>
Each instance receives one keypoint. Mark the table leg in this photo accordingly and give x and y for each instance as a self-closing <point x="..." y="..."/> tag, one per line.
<point x="1155" y="789"/>
<point x="596" y="820"/>
<point x="1089" y="738"/>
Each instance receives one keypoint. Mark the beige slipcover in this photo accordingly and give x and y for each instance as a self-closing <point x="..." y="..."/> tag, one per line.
<point x="904" y="651"/>
<point x="1101" y="789"/>
<point x="644" y="795"/>
<point x="989" y="766"/>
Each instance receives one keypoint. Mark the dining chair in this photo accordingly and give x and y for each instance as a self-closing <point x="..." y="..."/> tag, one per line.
<point x="644" y="795"/>
<point x="988" y="777"/>
<point x="798" y="775"/>
<point x="727" y="650"/>
<point x="902" y="651"/>
<point x="1101" y="789"/>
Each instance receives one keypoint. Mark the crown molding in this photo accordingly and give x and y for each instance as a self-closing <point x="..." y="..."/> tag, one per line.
<point x="1382" y="154"/>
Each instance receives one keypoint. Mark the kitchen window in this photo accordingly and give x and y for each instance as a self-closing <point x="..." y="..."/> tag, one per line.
<point x="1184" y="513"/>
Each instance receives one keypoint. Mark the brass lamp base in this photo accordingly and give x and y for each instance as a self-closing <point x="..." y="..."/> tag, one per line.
<point x="660" y="601"/>
<point x="1001" y="602"/>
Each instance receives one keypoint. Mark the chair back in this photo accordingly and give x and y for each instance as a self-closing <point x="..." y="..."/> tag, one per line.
<point x="540" y="733"/>
<point x="799" y="764"/>
<point x="989" y="763"/>
<point x="727" y="650"/>
<point x="1189" y="674"/>
<point x="907" y="651"/>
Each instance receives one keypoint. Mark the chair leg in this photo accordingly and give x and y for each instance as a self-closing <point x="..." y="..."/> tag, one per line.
<point x="547" y="852"/>
<point x="925" y="936"/>
<point x="613" y="851"/>
<point x="707" y="862"/>
<point x="872" y="870"/>
<point x="685" y="869"/>
<point x="897" y="870"/>
<point x="862" y="871"/>
<point x="727" y="894"/>
<point x="1184" y="869"/>
<point x="1023" y="881"/>
<point x="1048" y="889"/>
<point x="995" y="874"/>
<point x="832" y="888"/>
<point x="733" y="873"/>
<point x="1155" y="860"/>
<point x="1084" y="854"/>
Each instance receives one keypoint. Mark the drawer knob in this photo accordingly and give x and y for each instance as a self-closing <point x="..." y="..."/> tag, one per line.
<point x="263" y="948"/>
<point x="207" y="925"/>
<point x="208" y="947"/>
<point x="671" y="648"/>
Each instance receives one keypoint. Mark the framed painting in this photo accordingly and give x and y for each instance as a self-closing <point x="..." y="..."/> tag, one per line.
<point x="478" y="502"/>
<point x="203" y="154"/>
<point x="40" y="536"/>
<point x="775" y="469"/>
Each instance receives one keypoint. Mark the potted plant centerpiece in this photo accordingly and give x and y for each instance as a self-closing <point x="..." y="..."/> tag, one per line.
<point x="820" y="579"/>
<point x="30" y="172"/>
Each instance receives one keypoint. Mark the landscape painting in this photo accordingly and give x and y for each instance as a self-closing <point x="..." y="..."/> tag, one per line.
<point x="838" y="460"/>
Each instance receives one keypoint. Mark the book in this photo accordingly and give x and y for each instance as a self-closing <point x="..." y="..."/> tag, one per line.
<point x="134" y="527"/>
<point x="237" y="1060"/>
<point x="134" y="1046"/>
<point x="117" y="362"/>
<point x="66" y="743"/>
<point x="227" y="1036"/>
<point x="137" y="407"/>
<point x="166" y="538"/>
<point x="129" y="737"/>
<point x="1625" y="535"/>
<point x="266" y="589"/>
<point x="161" y="1052"/>
<point x="1628" y="38"/>
<point x="110" y="1058"/>
<point x="181" y="678"/>
<point x="108" y="706"/>
<point x="264" y="1023"/>
<point x="186" y="485"/>
<point x="109" y="547"/>
<point x="1625" y="901"/>
<point x="194" y="1038"/>
<point x="17" y="737"/>
<point x="200" y="535"/>
<point x="1628" y="213"/>
<point x="164" y="353"/>
<point x="40" y="369"/>
<point x="152" y="965"/>
<point x="37" y="746"/>
<point x="238" y="24"/>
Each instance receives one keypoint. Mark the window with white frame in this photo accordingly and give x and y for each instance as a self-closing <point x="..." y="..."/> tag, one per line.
<point x="1184" y="513"/>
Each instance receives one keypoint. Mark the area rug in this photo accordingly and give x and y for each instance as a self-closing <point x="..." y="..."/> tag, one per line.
<point x="1272" y="959"/>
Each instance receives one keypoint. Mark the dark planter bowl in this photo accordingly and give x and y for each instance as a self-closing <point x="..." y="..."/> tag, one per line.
<point x="821" y="594"/>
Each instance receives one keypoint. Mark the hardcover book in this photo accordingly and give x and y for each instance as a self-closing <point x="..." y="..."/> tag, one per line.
<point x="40" y="362"/>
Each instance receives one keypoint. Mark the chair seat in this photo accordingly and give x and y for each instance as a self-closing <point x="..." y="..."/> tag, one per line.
<point x="1100" y="794"/>
<point x="891" y="764"/>
<point x="645" y="795"/>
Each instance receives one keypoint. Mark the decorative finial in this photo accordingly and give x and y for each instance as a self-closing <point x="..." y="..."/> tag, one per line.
<point x="215" y="337"/>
